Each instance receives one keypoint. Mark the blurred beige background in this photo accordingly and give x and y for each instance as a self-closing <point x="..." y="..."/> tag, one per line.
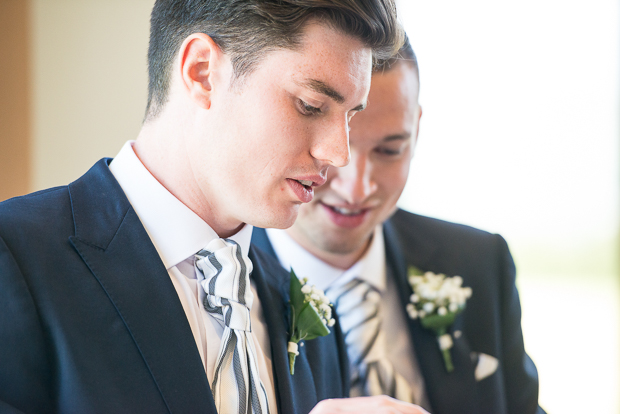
<point x="519" y="137"/>
<point x="73" y="85"/>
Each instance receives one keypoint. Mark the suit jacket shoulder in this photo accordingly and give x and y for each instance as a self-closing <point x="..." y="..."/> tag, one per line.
<point x="445" y="237"/>
<point x="491" y="323"/>
<point x="93" y="322"/>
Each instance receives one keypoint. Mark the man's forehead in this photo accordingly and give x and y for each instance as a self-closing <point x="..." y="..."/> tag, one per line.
<point x="332" y="59"/>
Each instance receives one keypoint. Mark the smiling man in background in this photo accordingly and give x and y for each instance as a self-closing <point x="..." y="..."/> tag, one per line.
<point x="352" y="241"/>
<point x="129" y="290"/>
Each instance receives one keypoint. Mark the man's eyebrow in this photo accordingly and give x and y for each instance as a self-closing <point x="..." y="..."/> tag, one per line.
<point x="397" y="137"/>
<point x="323" y="88"/>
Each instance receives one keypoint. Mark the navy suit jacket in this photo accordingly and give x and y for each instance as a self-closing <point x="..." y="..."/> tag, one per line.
<point x="490" y="324"/>
<point x="91" y="322"/>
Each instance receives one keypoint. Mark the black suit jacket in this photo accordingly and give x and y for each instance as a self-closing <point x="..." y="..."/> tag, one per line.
<point x="91" y="322"/>
<point x="490" y="324"/>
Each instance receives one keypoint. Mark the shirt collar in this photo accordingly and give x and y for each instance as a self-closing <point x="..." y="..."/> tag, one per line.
<point x="370" y="268"/>
<point x="175" y="230"/>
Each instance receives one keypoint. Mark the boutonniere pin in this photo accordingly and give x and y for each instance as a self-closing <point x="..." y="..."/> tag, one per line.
<point x="436" y="300"/>
<point x="311" y="315"/>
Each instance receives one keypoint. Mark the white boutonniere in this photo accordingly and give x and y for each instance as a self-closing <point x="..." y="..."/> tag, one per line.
<point x="311" y="315"/>
<point x="436" y="300"/>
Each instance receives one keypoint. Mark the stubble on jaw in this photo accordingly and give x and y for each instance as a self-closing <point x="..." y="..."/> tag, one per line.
<point x="342" y="249"/>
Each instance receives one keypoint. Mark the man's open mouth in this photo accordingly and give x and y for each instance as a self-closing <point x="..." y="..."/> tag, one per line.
<point x="306" y="183"/>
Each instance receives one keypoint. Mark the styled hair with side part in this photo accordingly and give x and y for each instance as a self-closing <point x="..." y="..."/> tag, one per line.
<point x="246" y="30"/>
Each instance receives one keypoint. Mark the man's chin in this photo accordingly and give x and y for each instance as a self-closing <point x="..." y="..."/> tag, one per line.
<point x="279" y="220"/>
<point x="340" y="241"/>
<point x="343" y="246"/>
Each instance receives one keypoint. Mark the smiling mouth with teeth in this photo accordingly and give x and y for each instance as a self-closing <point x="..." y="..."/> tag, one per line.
<point x="347" y="217"/>
<point x="346" y="211"/>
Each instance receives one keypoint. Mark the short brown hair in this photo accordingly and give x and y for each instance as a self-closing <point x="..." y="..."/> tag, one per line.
<point x="404" y="55"/>
<point x="248" y="29"/>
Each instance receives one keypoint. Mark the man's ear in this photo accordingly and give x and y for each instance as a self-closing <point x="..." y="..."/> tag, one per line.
<point x="418" y="116"/>
<point x="201" y="62"/>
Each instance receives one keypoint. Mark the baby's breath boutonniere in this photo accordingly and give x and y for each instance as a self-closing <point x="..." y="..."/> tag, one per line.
<point x="436" y="300"/>
<point x="311" y="315"/>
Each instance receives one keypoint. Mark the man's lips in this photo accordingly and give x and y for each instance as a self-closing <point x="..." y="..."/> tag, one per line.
<point x="313" y="180"/>
<point x="304" y="192"/>
<point x="303" y="186"/>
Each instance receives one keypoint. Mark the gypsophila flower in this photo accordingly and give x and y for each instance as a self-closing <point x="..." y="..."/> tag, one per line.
<point x="414" y="280"/>
<point x="436" y="300"/>
<point x="316" y="298"/>
<point x="428" y="307"/>
<point x="411" y="310"/>
<point x="311" y="315"/>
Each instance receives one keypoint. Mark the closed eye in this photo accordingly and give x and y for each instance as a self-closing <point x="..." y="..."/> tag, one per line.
<point x="394" y="145"/>
<point x="307" y="109"/>
<point x="389" y="151"/>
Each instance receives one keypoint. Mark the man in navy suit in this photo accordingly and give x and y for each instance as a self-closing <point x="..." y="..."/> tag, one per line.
<point x="104" y="308"/>
<point x="352" y="235"/>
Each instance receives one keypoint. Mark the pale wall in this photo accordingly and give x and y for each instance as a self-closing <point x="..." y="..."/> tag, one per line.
<point x="89" y="83"/>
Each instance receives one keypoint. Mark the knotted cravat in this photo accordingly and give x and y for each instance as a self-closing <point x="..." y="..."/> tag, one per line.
<point x="236" y="383"/>
<point x="357" y="304"/>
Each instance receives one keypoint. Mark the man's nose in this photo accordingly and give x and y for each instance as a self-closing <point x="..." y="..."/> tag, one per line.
<point x="333" y="145"/>
<point x="354" y="182"/>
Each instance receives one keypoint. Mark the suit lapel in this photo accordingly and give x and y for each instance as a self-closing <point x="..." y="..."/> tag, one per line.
<point x="447" y="392"/>
<point x="260" y="239"/>
<point x="113" y="243"/>
<point x="295" y="393"/>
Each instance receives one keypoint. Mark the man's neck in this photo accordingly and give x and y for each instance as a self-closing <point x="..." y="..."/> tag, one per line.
<point x="342" y="261"/>
<point x="165" y="158"/>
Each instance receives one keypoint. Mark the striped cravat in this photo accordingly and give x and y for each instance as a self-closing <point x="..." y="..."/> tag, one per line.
<point x="236" y="383"/>
<point x="357" y="304"/>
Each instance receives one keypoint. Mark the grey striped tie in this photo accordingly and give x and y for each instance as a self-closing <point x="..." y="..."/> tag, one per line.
<point x="236" y="386"/>
<point x="358" y="305"/>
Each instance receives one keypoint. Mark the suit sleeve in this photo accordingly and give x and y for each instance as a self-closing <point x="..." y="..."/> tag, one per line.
<point x="24" y="367"/>
<point x="520" y="374"/>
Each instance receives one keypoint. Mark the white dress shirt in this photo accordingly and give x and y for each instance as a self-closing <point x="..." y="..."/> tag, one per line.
<point x="371" y="268"/>
<point x="178" y="234"/>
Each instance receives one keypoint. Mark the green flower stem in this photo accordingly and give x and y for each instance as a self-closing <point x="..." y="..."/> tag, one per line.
<point x="291" y="362"/>
<point x="447" y="359"/>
